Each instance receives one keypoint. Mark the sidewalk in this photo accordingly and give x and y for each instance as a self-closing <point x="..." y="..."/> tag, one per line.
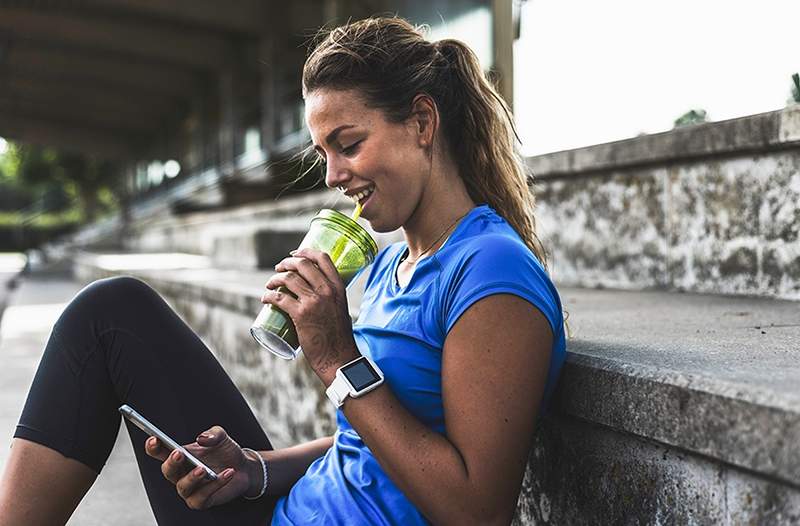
<point x="117" y="496"/>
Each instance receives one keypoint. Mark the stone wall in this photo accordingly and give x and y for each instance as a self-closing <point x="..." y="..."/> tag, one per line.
<point x="581" y="473"/>
<point x="708" y="208"/>
<point x="671" y="409"/>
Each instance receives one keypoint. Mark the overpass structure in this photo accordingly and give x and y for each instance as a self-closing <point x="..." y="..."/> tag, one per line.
<point x="213" y="87"/>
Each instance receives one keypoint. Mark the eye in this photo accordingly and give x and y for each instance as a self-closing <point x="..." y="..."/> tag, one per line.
<point x="353" y="148"/>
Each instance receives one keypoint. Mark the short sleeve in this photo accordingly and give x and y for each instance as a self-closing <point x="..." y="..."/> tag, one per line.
<point x="497" y="264"/>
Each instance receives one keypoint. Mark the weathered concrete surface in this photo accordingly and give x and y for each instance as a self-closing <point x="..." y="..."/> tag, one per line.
<point x="711" y="374"/>
<point x="581" y="473"/>
<point x="711" y="380"/>
<point x="117" y="496"/>
<point x="711" y="208"/>
<point x="754" y="133"/>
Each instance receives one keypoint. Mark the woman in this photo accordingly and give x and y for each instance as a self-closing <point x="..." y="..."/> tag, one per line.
<point x="461" y="318"/>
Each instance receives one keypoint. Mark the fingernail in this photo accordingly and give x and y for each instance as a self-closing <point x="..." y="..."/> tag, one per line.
<point x="199" y="472"/>
<point x="177" y="456"/>
<point x="228" y="473"/>
<point x="293" y="252"/>
<point x="205" y="435"/>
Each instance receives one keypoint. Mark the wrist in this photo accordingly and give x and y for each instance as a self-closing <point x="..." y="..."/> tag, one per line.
<point x="255" y="473"/>
<point x="327" y="371"/>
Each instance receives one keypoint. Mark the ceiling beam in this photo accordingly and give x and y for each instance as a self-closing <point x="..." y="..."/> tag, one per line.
<point x="67" y="137"/>
<point x="156" y="41"/>
<point x="89" y="96"/>
<point x="79" y="89"/>
<point x="132" y="123"/>
<point x="61" y="63"/>
<point x="240" y="16"/>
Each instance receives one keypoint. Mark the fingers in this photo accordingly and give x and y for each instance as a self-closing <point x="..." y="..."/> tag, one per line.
<point x="175" y="466"/>
<point x="154" y="448"/>
<point x="314" y="279"/>
<point x="191" y="482"/>
<point x="212" y="437"/>
<point x="293" y="281"/>
<point x="198" y="491"/>
<point x="282" y="300"/>
<point x="321" y="260"/>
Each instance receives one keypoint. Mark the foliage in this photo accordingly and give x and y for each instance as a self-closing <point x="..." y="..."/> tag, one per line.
<point x="795" y="89"/>
<point x="696" y="116"/>
<point x="50" y="182"/>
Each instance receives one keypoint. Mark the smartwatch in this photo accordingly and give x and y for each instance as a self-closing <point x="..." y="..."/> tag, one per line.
<point x="354" y="379"/>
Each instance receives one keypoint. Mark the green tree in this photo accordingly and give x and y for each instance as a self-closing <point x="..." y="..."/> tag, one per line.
<point x="63" y="177"/>
<point x="696" y="116"/>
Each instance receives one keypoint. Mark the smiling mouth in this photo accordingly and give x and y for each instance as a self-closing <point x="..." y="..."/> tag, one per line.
<point x="363" y="195"/>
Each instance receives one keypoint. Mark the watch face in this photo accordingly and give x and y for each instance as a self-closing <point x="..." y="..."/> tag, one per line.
<point x="360" y="374"/>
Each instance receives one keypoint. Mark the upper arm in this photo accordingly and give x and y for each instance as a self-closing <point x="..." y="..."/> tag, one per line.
<point x="494" y="369"/>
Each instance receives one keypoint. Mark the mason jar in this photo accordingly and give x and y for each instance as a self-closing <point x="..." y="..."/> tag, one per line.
<point x="349" y="246"/>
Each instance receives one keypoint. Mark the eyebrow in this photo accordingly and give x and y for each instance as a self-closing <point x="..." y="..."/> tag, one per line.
<point x="335" y="133"/>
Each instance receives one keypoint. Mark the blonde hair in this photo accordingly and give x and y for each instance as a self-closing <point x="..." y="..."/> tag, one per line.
<point x="389" y="61"/>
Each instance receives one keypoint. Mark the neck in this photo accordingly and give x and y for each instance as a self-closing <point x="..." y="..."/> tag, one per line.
<point x="436" y="216"/>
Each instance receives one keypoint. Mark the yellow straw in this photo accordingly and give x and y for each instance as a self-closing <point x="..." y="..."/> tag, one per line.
<point x="338" y="247"/>
<point x="356" y="212"/>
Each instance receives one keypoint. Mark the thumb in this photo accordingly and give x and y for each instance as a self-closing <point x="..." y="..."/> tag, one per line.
<point x="212" y="437"/>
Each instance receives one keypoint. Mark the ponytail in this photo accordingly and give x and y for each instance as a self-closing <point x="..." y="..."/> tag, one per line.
<point x="390" y="62"/>
<point x="480" y="129"/>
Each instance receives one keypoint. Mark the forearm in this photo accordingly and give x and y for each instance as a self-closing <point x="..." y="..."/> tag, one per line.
<point x="424" y="464"/>
<point x="287" y="465"/>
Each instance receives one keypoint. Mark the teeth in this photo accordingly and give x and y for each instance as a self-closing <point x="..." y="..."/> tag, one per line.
<point x="361" y="195"/>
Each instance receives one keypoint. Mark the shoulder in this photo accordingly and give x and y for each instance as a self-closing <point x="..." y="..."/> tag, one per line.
<point x="496" y="255"/>
<point x="496" y="263"/>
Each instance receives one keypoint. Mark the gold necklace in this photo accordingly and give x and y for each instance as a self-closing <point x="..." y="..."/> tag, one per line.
<point x="412" y="261"/>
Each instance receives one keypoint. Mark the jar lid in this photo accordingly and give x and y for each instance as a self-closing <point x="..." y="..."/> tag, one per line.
<point x="352" y="230"/>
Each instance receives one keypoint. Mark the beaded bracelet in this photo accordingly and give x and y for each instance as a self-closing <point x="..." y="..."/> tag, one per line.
<point x="266" y="476"/>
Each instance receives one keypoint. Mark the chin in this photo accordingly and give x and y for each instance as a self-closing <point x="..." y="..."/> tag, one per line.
<point x="381" y="227"/>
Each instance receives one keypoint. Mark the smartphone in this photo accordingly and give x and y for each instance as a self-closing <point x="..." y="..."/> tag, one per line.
<point x="145" y="425"/>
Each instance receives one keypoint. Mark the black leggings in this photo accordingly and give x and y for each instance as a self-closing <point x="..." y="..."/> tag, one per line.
<point x="118" y="343"/>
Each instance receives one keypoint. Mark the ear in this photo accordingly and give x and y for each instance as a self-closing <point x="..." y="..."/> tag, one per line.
<point x="424" y="119"/>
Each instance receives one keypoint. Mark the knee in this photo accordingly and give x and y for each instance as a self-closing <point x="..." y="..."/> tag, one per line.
<point x="119" y="287"/>
<point x="108" y="294"/>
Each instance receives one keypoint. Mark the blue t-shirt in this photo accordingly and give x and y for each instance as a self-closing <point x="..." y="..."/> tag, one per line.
<point x="403" y="330"/>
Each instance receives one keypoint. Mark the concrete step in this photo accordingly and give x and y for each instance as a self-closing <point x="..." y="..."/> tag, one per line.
<point x="198" y="233"/>
<point x="683" y="403"/>
<point x="246" y="237"/>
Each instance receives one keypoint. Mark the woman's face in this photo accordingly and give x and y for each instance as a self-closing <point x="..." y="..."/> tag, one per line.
<point x="364" y="154"/>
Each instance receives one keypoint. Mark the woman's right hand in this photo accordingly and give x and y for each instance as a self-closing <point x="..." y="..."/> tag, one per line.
<point x="238" y="474"/>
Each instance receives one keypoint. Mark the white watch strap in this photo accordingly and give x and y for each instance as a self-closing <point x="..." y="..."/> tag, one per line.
<point x="338" y="391"/>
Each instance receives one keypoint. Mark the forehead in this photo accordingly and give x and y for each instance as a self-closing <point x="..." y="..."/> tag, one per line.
<point x="327" y="109"/>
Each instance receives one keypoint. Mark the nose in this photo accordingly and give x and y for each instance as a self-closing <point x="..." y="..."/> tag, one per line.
<point x="335" y="174"/>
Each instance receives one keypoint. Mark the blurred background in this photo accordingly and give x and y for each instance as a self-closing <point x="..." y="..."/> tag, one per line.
<point x="160" y="139"/>
<point x="138" y="107"/>
<point x="110" y="107"/>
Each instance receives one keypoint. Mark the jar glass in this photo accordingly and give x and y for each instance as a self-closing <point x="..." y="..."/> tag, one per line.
<point x="349" y="246"/>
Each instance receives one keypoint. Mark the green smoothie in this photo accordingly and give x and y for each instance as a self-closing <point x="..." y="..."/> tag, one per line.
<point x="350" y="247"/>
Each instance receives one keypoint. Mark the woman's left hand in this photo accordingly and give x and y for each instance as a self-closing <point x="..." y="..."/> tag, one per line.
<point x="319" y="312"/>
